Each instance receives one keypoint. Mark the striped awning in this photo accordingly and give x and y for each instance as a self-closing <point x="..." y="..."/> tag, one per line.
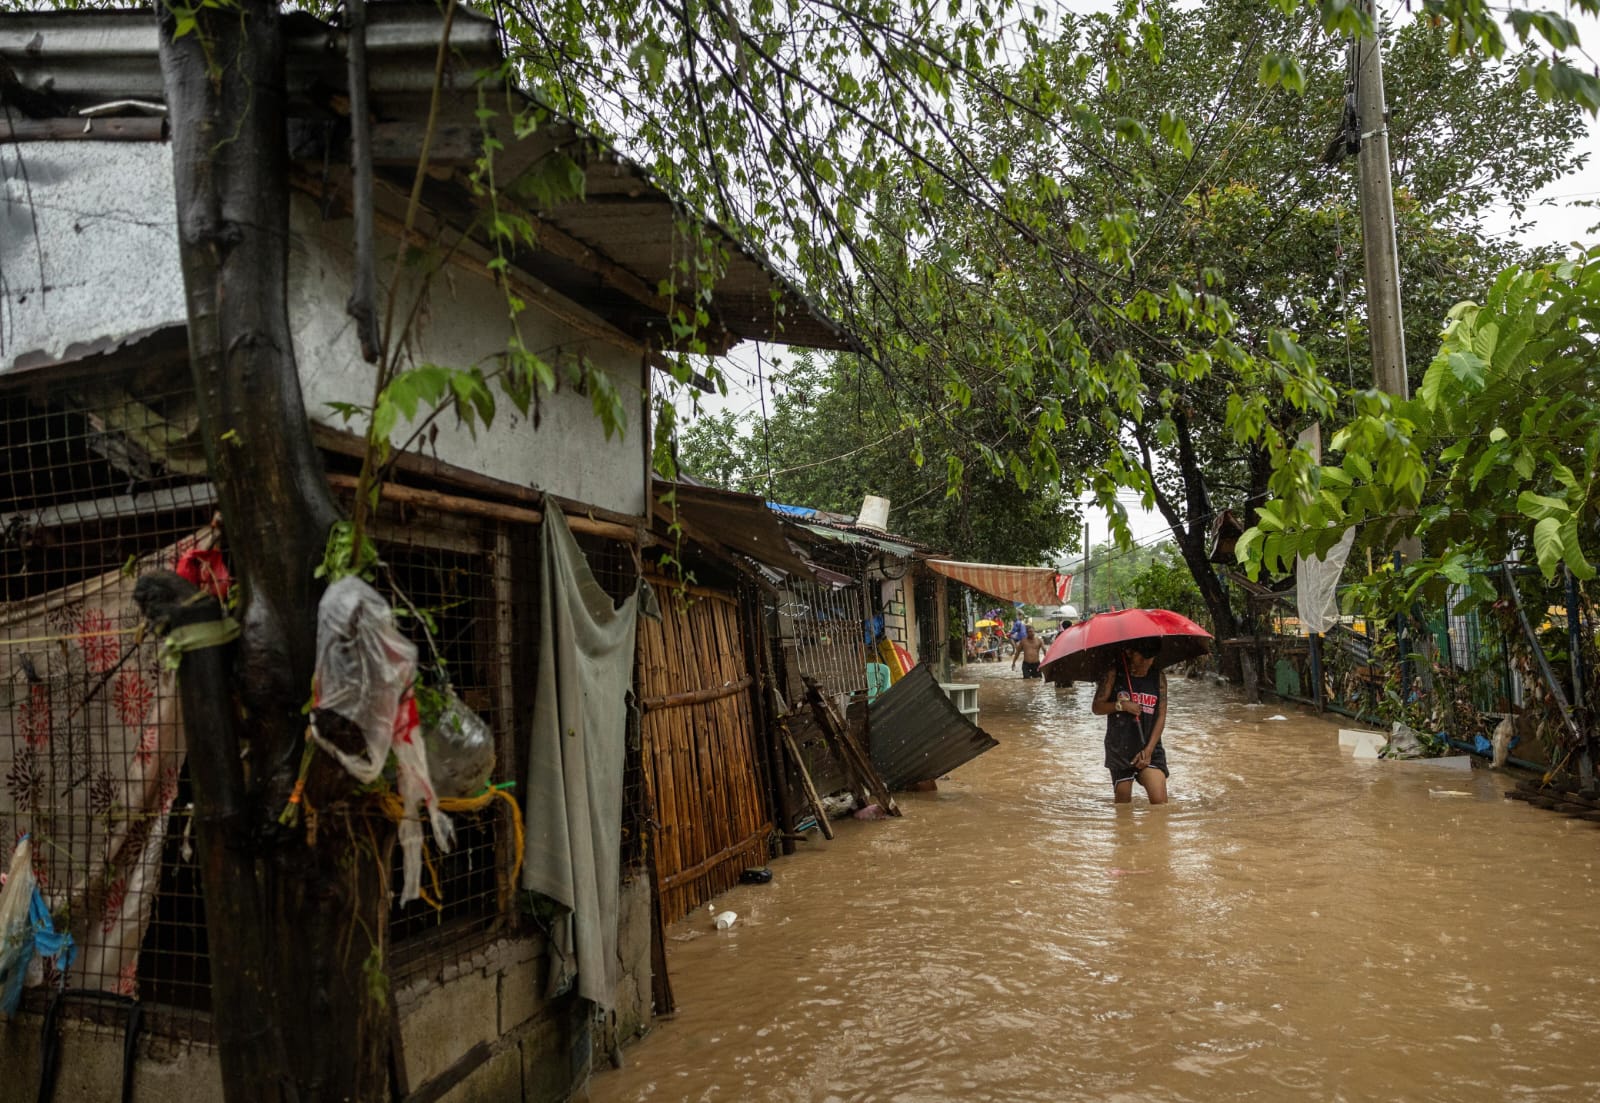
<point x="1034" y="585"/>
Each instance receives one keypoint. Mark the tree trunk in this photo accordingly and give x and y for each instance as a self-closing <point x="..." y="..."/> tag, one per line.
<point x="1190" y="534"/>
<point x="301" y="1009"/>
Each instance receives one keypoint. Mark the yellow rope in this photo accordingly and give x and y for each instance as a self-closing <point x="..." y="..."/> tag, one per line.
<point x="389" y="803"/>
<point x="17" y="642"/>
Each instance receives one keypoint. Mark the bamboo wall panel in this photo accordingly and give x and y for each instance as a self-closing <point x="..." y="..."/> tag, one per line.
<point x="700" y="749"/>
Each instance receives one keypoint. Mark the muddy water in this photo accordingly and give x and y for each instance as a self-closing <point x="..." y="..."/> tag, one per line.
<point x="1294" y="925"/>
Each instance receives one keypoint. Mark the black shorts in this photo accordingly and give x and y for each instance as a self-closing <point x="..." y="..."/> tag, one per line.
<point x="1120" y="754"/>
<point x="1030" y="670"/>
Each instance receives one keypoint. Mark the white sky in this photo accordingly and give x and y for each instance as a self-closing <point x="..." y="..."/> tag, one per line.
<point x="1556" y="217"/>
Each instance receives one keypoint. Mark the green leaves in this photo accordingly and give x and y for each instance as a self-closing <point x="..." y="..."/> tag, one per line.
<point x="1282" y="71"/>
<point x="1496" y="455"/>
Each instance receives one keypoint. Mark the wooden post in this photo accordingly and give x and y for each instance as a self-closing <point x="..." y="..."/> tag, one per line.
<point x="855" y="758"/>
<point x="941" y="601"/>
<point x="807" y="784"/>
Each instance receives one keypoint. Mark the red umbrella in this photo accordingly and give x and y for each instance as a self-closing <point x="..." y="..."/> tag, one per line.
<point x="1083" y="652"/>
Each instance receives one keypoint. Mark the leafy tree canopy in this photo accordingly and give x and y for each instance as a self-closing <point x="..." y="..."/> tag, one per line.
<point x="1496" y="457"/>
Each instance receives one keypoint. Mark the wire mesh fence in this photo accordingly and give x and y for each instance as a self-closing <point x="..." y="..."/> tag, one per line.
<point x="99" y="486"/>
<point x="1455" y="669"/>
<point x="819" y="634"/>
<point x="452" y="582"/>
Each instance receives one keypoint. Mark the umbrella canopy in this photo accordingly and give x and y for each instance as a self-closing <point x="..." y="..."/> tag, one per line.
<point x="1083" y="652"/>
<point x="987" y="623"/>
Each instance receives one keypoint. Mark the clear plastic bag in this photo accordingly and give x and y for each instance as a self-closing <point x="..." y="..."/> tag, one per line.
<point x="16" y="929"/>
<point x="460" y="749"/>
<point x="365" y="669"/>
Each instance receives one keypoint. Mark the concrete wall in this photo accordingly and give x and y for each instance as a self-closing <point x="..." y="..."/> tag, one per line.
<point x="88" y="245"/>
<point x="480" y="1031"/>
<point x="464" y="321"/>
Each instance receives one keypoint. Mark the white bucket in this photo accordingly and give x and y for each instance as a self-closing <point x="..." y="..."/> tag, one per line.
<point x="874" y="514"/>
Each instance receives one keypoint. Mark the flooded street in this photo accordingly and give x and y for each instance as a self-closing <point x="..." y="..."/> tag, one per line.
<point x="1295" y="924"/>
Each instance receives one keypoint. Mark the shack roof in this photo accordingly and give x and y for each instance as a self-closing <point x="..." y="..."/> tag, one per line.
<point x="611" y="252"/>
<point x="730" y="522"/>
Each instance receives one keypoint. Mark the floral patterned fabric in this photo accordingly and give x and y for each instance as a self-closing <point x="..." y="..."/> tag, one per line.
<point x="90" y="750"/>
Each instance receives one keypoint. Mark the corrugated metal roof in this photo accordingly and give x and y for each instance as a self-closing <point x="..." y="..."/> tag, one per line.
<point x="918" y="734"/>
<point x="623" y="240"/>
<point x="739" y="522"/>
<point x="855" y="536"/>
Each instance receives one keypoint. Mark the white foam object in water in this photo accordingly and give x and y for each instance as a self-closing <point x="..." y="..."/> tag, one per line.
<point x="1349" y="737"/>
<point x="1279" y="716"/>
<point x="1448" y="793"/>
<point x="724" y="920"/>
<point x="1460" y="762"/>
<point x="1368" y="748"/>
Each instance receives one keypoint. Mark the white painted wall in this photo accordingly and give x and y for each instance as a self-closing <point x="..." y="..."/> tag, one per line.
<point x="88" y="251"/>
<point x="464" y="321"/>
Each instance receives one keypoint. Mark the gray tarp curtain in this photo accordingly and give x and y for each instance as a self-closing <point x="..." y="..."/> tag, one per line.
<point x="573" y="795"/>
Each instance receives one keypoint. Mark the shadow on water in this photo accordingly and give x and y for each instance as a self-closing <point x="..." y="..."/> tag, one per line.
<point x="1294" y="923"/>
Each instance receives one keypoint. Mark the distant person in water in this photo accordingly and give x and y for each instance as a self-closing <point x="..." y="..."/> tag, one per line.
<point x="1029" y="649"/>
<point x="1133" y="699"/>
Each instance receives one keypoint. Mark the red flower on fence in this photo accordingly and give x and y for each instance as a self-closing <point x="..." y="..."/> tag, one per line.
<point x="133" y="697"/>
<point x="25" y="782"/>
<point x="206" y="569"/>
<point x="33" y="716"/>
<point x="169" y="789"/>
<point x="98" y="638"/>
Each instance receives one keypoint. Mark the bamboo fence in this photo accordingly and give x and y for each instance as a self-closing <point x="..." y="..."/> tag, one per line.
<point x="701" y="768"/>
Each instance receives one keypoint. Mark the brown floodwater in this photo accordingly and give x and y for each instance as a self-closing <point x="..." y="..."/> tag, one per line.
<point x="1294" y="925"/>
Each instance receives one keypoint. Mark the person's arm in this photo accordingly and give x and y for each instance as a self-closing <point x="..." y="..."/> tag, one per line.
<point x="1105" y="699"/>
<point x="1015" y="651"/>
<point x="1142" y="759"/>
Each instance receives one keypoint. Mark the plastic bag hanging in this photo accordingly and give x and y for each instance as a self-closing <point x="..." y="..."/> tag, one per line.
<point x="26" y="929"/>
<point x="460" y="748"/>
<point x="16" y="931"/>
<point x="416" y="789"/>
<point x="365" y="669"/>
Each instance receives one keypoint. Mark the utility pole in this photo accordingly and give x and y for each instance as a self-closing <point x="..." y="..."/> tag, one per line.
<point x="1385" y="320"/>
<point x="1087" y="546"/>
<point x="1384" y="317"/>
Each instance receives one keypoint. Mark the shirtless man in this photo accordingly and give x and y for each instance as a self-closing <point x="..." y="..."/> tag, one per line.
<point x="1030" y="648"/>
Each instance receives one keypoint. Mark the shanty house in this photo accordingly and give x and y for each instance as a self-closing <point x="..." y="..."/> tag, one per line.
<point x="105" y="477"/>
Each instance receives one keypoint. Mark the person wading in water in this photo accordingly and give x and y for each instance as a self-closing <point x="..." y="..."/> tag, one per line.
<point x="1133" y="698"/>
<point x="1029" y="649"/>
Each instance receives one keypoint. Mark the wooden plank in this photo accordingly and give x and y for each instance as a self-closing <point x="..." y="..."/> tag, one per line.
<point x="694" y="696"/>
<point x="676" y="586"/>
<point x="855" y="756"/>
<point x="807" y="785"/>
<point x="79" y="129"/>
<point x="496" y="511"/>
<point x="506" y="716"/>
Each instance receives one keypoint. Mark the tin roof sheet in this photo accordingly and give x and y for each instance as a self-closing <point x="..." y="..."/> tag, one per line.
<point x="69" y="60"/>
<point x="918" y="734"/>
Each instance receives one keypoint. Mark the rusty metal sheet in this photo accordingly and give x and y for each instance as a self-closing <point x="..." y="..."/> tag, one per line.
<point x="918" y="734"/>
<point x="76" y="59"/>
<point x="740" y="522"/>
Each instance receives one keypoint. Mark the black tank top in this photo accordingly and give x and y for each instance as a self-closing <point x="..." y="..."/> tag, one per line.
<point x="1144" y="689"/>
